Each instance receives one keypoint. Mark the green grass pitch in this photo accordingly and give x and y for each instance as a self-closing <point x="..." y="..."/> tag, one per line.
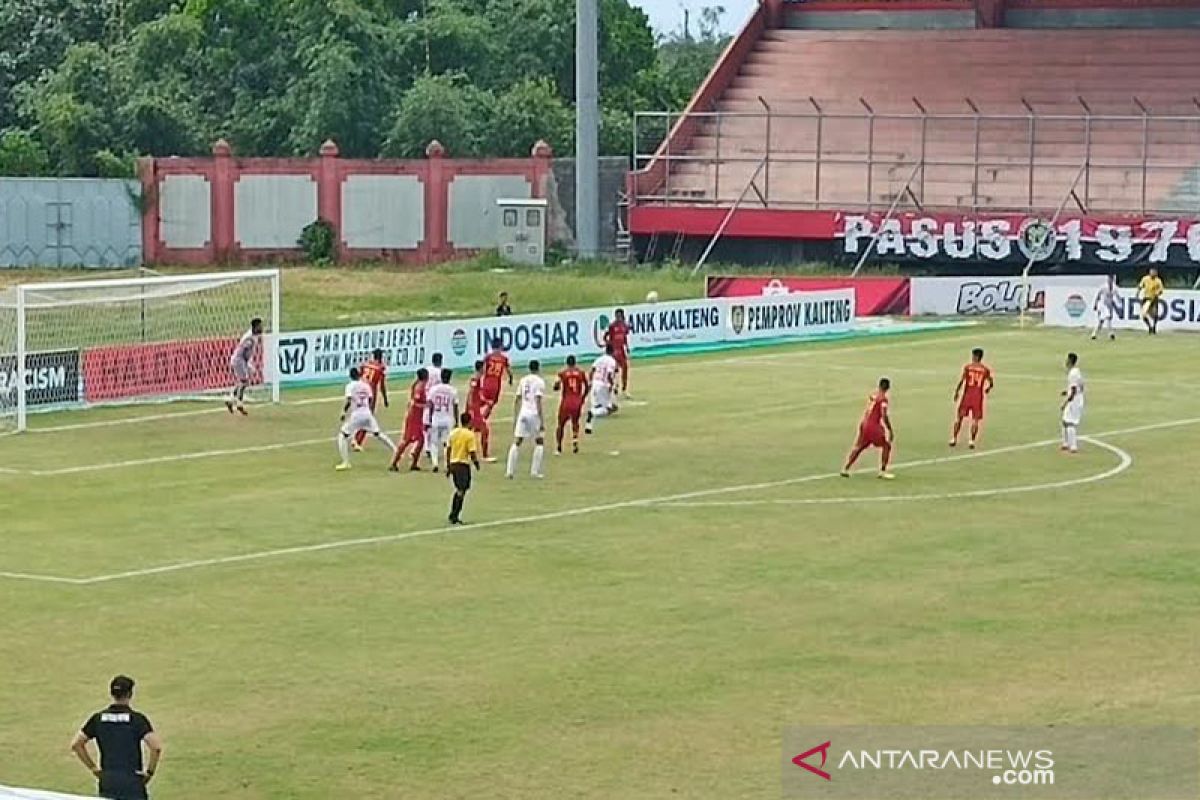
<point x="656" y="619"/>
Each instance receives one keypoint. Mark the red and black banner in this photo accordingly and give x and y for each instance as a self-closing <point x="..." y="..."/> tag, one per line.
<point x="140" y="370"/>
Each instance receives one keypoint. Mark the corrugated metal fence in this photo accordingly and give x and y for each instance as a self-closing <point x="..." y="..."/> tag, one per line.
<point x="60" y="222"/>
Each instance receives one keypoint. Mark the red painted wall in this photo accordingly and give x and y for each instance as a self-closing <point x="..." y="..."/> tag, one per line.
<point x="223" y="170"/>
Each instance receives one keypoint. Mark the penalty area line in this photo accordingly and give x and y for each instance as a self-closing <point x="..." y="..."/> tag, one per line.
<point x="1124" y="463"/>
<point x="450" y="530"/>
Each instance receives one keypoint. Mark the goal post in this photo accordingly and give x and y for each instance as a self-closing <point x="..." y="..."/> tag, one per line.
<point x="77" y="344"/>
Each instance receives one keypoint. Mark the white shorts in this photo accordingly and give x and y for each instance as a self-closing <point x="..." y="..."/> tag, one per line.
<point x="438" y="435"/>
<point x="528" y="426"/>
<point x="360" y="419"/>
<point x="601" y="396"/>
<point x="240" y="369"/>
<point x="1104" y="313"/>
<point x="1073" y="413"/>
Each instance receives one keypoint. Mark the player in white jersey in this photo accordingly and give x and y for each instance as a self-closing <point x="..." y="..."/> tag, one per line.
<point x="603" y="378"/>
<point x="239" y="364"/>
<point x="527" y="409"/>
<point x="1072" y="405"/>
<point x="442" y="408"/>
<point x="1105" y="307"/>
<point x="435" y="377"/>
<point x="357" y="416"/>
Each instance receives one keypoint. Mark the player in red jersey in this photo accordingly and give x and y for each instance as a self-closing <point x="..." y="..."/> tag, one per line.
<point x="495" y="367"/>
<point x="475" y="404"/>
<point x="875" y="430"/>
<point x="414" y="424"/>
<point x="974" y="385"/>
<point x="617" y="335"/>
<point x="573" y="384"/>
<point x="374" y="374"/>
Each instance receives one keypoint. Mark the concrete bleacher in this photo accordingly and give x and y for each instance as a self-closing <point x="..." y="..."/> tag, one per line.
<point x="1142" y="141"/>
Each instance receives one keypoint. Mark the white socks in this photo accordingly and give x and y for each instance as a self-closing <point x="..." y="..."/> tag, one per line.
<point x="343" y="444"/>
<point x="513" y="452"/>
<point x="383" y="437"/>
<point x="1070" y="438"/>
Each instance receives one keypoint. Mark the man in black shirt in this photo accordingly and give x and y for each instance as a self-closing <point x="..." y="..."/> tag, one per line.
<point x="120" y="732"/>
<point x="503" y="309"/>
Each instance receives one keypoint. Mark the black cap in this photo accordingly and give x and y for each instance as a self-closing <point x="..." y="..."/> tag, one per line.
<point x="121" y="686"/>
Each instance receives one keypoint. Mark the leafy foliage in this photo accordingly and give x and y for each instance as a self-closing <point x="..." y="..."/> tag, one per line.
<point x="317" y="239"/>
<point x="86" y="84"/>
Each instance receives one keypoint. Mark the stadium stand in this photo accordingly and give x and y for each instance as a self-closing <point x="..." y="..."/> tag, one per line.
<point x="837" y="105"/>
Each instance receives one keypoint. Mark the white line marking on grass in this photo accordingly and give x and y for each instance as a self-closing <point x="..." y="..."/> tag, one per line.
<point x="1126" y="461"/>
<point x="220" y="409"/>
<point x="26" y="576"/>
<point x="665" y="500"/>
<point x="902" y="340"/>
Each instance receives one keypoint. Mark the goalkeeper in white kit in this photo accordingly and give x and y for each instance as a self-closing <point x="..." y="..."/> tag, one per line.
<point x="240" y="362"/>
<point x="357" y="416"/>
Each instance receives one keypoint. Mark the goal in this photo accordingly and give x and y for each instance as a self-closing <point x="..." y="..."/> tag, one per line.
<point x="76" y="344"/>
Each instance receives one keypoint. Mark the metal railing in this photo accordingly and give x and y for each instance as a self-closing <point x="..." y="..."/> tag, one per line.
<point x="1134" y="163"/>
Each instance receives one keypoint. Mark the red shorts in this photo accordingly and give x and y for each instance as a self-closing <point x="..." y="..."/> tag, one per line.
<point x="414" y="430"/>
<point x="479" y="419"/>
<point x="972" y="408"/>
<point x="490" y="394"/>
<point x="570" y="412"/>
<point x="871" y="436"/>
<point x="622" y="359"/>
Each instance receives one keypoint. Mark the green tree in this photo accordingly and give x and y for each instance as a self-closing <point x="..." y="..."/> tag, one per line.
<point x="22" y="155"/>
<point x="443" y="107"/>
<point x="529" y="111"/>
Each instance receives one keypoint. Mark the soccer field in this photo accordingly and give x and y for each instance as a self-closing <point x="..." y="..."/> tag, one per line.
<point x="641" y="624"/>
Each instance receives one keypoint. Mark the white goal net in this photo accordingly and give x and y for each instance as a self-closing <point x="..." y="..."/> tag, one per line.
<point x="102" y="342"/>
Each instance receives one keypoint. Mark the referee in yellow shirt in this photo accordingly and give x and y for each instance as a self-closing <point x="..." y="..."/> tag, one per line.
<point x="1150" y="289"/>
<point x="460" y="455"/>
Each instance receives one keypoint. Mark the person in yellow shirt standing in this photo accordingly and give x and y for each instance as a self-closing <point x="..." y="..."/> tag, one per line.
<point x="460" y="455"/>
<point x="1150" y="290"/>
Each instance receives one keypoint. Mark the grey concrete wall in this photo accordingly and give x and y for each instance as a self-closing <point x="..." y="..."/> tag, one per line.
<point x="881" y="20"/>
<point x="1102" y="18"/>
<point x="562" y="201"/>
<point x="67" y="222"/>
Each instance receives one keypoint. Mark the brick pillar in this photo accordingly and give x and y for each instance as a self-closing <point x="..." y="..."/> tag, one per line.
<point x="543" y="156"/>
<point x="329" y="193"/>
<point x="437" y="204"/>
<point x="151" y="220"/>
<point x="222" y="246"/>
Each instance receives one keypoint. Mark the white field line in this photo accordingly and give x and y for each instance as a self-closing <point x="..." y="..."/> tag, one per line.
<point x="790" y="355"/>
<point x="1003" y="376"/>
<point x="1126" y="461"/>
<point x="534" y="518"/>
<point x="25" y="576"/>
<point x="220" y="409"/>
<point x="108" y="423"/>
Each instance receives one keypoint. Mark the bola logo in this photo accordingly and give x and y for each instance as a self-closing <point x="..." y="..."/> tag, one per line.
<point x="458" y="341"/>
<point x="1076" y="306"/>
<point x="1035" y="239"/>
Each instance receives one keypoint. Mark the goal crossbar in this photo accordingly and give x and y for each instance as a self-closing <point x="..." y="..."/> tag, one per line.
<point x="130" y="340"/>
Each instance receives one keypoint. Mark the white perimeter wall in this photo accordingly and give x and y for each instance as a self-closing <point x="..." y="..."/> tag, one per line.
<point x="271" y="210"/>
<point x="472" y="212"/>
<point x="185" y="211"/>
<point x="383" y="212"/>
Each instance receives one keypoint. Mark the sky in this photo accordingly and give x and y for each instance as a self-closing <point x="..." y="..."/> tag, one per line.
<point x="668" y="14"/>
